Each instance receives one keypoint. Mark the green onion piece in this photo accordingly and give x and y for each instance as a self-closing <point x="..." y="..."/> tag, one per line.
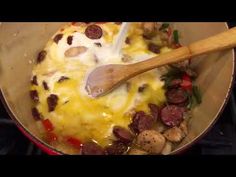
<point x="197" y="94"/>
<point x="176" y="36"/>
<point x="164" y="26"/>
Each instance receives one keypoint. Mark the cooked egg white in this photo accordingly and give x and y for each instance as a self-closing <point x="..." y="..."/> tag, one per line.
<point x="79" y="115"/>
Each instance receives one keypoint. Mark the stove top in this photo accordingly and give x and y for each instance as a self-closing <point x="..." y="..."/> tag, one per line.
<point x="221" y="139"/>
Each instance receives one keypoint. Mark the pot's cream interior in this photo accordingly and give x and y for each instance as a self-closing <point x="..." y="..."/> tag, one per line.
<point x="21" y="42"/>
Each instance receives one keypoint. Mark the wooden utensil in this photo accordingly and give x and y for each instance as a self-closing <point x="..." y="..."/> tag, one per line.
<point x="106" y="78"/>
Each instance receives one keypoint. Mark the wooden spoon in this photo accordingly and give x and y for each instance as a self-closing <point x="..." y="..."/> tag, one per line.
<point x="105" y="78"/>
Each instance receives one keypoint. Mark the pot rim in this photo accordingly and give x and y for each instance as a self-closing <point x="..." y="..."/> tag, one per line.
<point x="53" y="151"/>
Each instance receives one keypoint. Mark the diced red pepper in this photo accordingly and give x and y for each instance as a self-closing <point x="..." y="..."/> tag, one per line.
<point x="51" y="137"/>
<point x="74" y="142"/>
<point x="186" y="77"/>
<point x="187" y="85"/>
<point x="186" y="82"/>
<point x="48" y="125"/>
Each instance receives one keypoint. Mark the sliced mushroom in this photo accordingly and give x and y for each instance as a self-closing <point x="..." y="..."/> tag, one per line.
<point x="137" y="152"/>
<point x="167" y="148"/>
<point x="151" y="141"/>
<point x="183" y="126"/>
<point x="149" y="29"/>
<point x="160" y="127"/>
<point x="174" y="134"/>
<point x="75" y="51"/>
<point x="123" y="134"/>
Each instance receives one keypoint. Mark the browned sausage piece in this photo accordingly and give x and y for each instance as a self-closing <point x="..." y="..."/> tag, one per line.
<point x="34" y="80"/>
<point x="69" y="40"/>
<point x="176" y="96"/>
<point x="172" y="115"/>
<point x="117" y="148"/>
<point x="127" y="40"/>
<point x="63" y="78"/>
<point x="45" y="85"/>
<point x="175" y="83"/>
<point x="91" y="148"/>
<point x="41" y="56"/>
<point x="52" y="102"/>
<point x="34" y="95"/>
<point x="154" y="110"/>
<point x="94" y="32"/>
<point x="122" y="134"/>
<point x="35" y="113"/>
<point x="135" y="121"/>
<point x="142" y="88"/>
<point x="57" y="38"/>
<point x="154" y="48"/>
<point x="141" y="122"/>
<point x="145" y="123"/>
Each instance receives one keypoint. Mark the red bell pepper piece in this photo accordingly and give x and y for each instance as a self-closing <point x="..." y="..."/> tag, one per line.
<point x="51" y="137"/>
<point x="186" y="82"/>
<point x="74" y="142"/>
<point x="186" y="77"/>
<point x="48" y="125"/>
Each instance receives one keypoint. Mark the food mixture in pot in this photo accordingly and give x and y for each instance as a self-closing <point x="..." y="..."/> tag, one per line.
<point x="147" y="115"/>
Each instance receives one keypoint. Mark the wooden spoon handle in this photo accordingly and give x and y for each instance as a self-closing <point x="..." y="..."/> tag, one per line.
<point x="218" y="42"/>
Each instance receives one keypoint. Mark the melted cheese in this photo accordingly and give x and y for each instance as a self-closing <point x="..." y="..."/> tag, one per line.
<point x="79" y="115"/>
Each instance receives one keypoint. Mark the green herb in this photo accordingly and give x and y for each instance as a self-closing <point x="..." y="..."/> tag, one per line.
<point x="173" y="73"/>
<point x="195" y="98"/>
<point x="190" y="101"/>
<point x="164" y="26"/>
<point x="197" y="94"/>
<point x="176" y="36"/>
<point x="167" y="82"/>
